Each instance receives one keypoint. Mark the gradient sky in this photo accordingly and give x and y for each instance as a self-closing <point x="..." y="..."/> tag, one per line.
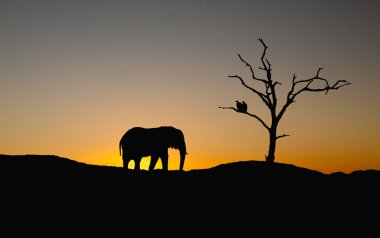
<point x="75" y="75"/>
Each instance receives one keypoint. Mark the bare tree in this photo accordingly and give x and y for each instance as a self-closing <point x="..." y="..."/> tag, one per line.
<point x="269" y="96"/>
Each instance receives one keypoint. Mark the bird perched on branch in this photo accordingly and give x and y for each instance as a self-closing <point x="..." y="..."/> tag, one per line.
<point x="241" y="106"/>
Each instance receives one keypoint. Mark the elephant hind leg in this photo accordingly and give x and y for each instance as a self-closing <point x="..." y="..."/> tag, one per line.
<point x="126" y="162"/>
<point x="137" y="164"/>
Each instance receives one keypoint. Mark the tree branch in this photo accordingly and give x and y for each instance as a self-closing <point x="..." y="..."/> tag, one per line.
<point x="270" y="90"/>
<point x="249" y="114"/>
<point x="340" y="83"/>
<point x="281" y="136"/>
<point x="252" y="72"/>
<point x="261" y="95"/>
<point x="263" y="59"/>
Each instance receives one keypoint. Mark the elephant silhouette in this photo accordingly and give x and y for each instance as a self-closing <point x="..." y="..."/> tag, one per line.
<point x="139" y="142"/>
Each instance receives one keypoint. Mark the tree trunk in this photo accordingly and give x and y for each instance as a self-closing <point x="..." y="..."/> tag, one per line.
<point x="272" y="144"/>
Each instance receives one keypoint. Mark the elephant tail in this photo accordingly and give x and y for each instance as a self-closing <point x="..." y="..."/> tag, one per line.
<point x="120" y="149"/>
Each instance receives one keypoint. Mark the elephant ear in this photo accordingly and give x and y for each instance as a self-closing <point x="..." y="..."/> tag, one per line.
<point x="175" y="140"/>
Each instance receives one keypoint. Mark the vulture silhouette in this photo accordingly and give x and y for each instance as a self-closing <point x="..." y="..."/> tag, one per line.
<point x="241" y="106"/>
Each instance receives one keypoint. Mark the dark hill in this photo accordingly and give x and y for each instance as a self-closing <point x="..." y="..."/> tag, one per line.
<point x="243" y="176"/>
<point x="20" y="167"/>
<point x="49" y="188"/>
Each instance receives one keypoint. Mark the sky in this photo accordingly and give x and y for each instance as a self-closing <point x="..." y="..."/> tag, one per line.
<point x="76" y="75"/>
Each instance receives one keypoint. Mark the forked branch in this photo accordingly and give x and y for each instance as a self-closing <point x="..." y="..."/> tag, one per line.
<point x="252" y="72"/>
<point x="307" y="86"/>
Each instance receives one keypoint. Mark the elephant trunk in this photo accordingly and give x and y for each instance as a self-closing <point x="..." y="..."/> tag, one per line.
<point x="182" y="161"/>
<point x="183" y="153"/>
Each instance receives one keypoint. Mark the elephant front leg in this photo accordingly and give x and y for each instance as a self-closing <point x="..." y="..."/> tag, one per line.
<point x="164" y="159"/>
<point x="153" y="162"/>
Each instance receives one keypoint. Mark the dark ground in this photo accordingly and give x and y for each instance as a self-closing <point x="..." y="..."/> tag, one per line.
<point x="62" y="193"/>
